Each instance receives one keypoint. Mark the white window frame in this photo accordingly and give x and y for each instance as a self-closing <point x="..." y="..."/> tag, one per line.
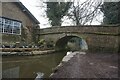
<point x="1" y="24"/>
<point x="18" y="26"/>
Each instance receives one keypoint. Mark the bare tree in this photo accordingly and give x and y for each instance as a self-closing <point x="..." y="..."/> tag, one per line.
<point x="83" y="13"/>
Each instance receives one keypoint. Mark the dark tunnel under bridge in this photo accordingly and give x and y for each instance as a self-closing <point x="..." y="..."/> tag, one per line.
<point x="62" y="43"/>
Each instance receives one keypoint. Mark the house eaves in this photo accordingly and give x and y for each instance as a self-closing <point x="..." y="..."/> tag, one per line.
<point x="24" y="9"/>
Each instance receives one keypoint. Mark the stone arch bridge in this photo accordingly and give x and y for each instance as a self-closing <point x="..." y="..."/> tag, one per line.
<point x="99" y="38"/>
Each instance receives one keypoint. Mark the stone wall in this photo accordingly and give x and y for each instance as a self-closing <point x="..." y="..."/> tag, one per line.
<point x="113" y="29"/>
<point x="105" y="43"/>
<point x="12" y="11"/>
<point x="98" y="38"/>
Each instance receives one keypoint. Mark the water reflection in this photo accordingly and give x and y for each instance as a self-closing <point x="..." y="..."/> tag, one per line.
<point x="11" y="72"/>
<point x="28" y="66"/>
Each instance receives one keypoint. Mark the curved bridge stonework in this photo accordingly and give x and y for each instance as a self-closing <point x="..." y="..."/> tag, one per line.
<point x="99" y="38"/>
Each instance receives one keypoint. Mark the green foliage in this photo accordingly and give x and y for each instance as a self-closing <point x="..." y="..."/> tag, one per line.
<point x="56" y="11"/>
<point x="41" y="42"/>
<point x="111" y="11"/>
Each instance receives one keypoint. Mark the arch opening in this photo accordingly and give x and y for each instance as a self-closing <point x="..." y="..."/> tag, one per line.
<point x="72" y="43"/>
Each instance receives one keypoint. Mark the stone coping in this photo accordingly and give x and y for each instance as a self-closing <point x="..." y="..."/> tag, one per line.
<point x="31" y="53"/>
<point x="117" y="25"/>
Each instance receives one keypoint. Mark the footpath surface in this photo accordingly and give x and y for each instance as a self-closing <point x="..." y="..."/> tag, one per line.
<point x="89" y="66"/>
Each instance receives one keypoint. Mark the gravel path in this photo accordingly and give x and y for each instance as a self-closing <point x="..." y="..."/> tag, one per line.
<point x="89" y="66"/>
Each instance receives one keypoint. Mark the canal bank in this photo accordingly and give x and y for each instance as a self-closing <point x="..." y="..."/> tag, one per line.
<point x="24" y="52"/>
<point x="88" y="66"/>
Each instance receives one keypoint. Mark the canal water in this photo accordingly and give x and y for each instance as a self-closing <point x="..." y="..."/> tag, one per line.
<point x="29" y="66"/>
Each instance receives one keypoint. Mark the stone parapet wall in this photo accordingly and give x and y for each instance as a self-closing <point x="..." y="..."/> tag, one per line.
<point x="82" y="29"/>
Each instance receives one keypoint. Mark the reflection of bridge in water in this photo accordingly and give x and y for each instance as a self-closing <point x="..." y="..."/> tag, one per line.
<point x="98" y="37"/>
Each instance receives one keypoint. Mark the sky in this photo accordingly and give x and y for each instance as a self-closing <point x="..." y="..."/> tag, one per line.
<point x="36" y="8"/>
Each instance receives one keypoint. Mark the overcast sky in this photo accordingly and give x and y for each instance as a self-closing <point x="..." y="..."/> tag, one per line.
<point x="34" y="6"/>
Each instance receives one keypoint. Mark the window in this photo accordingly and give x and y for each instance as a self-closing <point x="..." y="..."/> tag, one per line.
<point x="10" y="26"/>
<point x="0" y="25"/>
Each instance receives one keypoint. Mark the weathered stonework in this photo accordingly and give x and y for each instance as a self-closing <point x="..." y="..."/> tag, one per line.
<point x="99" y="38"/>
<point x="13" y="11"/>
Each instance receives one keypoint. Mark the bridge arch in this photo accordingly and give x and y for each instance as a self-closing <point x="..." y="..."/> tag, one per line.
<point x="100" y="38"/>
<point x="62" y="43"/>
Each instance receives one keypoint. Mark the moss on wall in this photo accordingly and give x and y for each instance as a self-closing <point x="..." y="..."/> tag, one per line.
<point x="10" y="39"/>
<point x="12" y="11"/>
